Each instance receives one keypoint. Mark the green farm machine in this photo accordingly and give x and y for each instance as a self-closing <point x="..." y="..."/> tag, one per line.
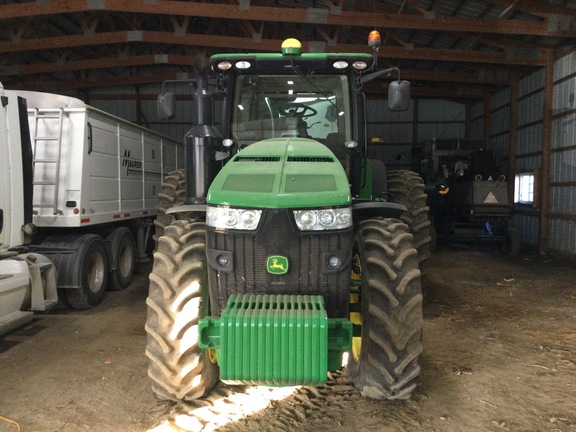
<point x="283" y="251"/>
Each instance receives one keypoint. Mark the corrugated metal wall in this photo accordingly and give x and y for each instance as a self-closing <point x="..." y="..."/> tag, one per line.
<point x="562" y="226"/>
<point x="562" y="197"/>
<point x="428" y="118"/>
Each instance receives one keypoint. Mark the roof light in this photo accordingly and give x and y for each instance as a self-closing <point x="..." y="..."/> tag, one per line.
<point x="291" y="46"/>
<point x="340" y="64"/>
<point x="224" y="65"/>
<point x="243" y="64"/>
<point x="359" y="65"/>
<point x="374" y="39"/>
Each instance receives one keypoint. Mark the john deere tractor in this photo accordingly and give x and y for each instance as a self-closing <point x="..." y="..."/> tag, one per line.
<point x="283" y="249"/>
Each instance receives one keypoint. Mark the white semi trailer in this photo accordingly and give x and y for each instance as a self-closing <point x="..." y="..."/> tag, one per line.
<point x="78" y="189"/>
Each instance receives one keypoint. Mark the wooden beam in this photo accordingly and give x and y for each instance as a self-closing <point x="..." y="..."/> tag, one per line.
<point x="99" y="63"/>
<point x="537" y="8"/>
<point x="512" y="57"/>
<point x="512" y="138"/>
<point x="479" y="78"/>
<point x="544" y="188"/>
<point x="313" y="16"/>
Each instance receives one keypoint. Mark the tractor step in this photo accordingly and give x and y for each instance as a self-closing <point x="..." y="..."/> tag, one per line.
<point x="276" y="340"/>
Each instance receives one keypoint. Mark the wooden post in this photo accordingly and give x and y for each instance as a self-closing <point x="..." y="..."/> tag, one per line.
<point x="546" y="152"/>
<point x="512" y="138"/>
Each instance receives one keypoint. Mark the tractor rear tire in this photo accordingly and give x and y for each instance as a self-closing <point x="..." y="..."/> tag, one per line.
<point x="406" y="187"/>
<point x="171" y="194"/>
<point x="383" y="363"/>
<point x="178" y="298"/>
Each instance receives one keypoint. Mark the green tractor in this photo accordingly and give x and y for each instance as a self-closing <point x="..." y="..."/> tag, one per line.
<point x="283" y="251"/>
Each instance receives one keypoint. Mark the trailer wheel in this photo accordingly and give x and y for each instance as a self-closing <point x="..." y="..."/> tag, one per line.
<point x="91" y="271"/>
<point x="386" y="305"/>
<point x="123" y="258"/>
<point x="406" y="187"/>
<point x="171" y="194"/>
<point x="510" y="242"/>
<point x="177" y="299"/>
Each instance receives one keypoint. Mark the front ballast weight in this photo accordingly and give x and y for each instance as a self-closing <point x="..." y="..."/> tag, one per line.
<point x="276" y="340"/>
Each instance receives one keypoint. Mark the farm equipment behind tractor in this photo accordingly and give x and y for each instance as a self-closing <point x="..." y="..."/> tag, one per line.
<point x="467" y="192"/>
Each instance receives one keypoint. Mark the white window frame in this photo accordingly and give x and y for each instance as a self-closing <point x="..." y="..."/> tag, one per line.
<point x="524" y="188"/>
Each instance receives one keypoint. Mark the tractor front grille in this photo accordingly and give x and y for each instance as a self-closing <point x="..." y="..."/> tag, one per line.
<point x="307" y="254"/>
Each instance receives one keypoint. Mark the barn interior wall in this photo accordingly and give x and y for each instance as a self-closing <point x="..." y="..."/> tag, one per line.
<point x="399" y="130"/>
<point x="437" y="118"/>
<point x="561" y="204"/>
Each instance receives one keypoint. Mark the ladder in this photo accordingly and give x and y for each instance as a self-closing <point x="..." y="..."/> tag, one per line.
<point x="44" y="117"/>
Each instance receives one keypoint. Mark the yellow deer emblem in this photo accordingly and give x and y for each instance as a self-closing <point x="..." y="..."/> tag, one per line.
<point x="277" y="265"/>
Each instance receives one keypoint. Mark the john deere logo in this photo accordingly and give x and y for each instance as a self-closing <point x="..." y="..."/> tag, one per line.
<point x="277" y="265"/>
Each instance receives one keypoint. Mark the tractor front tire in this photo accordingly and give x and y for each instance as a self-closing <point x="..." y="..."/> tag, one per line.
<point x="383" y="363"/>
<point x="178" y="298"/>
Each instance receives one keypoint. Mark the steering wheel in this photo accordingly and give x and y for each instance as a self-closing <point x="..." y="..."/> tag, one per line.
<point x="298" y="109"/>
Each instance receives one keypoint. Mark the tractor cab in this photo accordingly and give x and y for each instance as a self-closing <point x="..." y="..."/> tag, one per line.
<point x="316" y="96"/>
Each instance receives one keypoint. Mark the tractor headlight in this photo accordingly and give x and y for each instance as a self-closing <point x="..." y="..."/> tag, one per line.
<point x="233" y="218"/>
<point x="323" y="219"/>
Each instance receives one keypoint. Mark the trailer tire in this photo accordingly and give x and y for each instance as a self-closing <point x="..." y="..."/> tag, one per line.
<point x="383" y="362"/>
<point x="178" y="298"/>
<point x="407" y="187"/>
<point x="171" y="194"/>
<point x="91" y="270"/>
<point x="122" y="258"/>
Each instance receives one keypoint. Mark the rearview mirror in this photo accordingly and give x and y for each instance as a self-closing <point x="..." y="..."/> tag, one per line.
<point x="166" y="105"/>
<point x="399" y="95"/>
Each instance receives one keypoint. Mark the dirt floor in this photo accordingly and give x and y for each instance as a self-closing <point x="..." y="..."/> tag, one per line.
<point x="499" y="355"/>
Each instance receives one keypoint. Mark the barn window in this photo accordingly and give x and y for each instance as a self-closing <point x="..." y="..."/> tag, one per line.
<point x="524" y="188"/>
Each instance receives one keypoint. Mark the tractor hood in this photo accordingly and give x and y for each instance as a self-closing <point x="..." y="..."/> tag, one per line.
<point x="281" y="173"/>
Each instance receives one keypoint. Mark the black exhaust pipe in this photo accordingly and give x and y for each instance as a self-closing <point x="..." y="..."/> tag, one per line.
<point x="202" y="143"/>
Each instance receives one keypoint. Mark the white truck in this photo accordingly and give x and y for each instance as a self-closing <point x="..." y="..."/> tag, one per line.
<point x="78" y="189"/>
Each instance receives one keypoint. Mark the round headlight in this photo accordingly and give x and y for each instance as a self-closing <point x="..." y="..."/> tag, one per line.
<point x="327" y="218"/>
<point x="359" y="65"/>
<point x="344" y="217"/>
<point x="231" y="217"/>
<point x="305" y="219"/>
<point x="334" y="261"/>
<point x="340" y="64"/>
<point x="242" y="64"/>
<point x="249" y="219"/>
<point x="225" y="65"/>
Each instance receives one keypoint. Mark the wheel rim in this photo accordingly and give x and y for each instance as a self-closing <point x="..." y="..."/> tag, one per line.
<point x="356" y="305"/>
<point x="95" y="272"/>
<point x="124" y="265"/>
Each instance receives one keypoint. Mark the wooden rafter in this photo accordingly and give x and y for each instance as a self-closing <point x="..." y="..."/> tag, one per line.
<point x="299" y="15"/>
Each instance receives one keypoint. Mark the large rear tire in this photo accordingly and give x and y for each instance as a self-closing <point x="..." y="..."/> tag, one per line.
<point x="177" y="299"/>
<point x="383" y="362"/>
<point x="171" y="194"/>
<point x="406" y="187"/>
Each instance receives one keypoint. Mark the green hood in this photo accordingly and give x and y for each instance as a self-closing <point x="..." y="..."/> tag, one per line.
<point x="282" y="173"/>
